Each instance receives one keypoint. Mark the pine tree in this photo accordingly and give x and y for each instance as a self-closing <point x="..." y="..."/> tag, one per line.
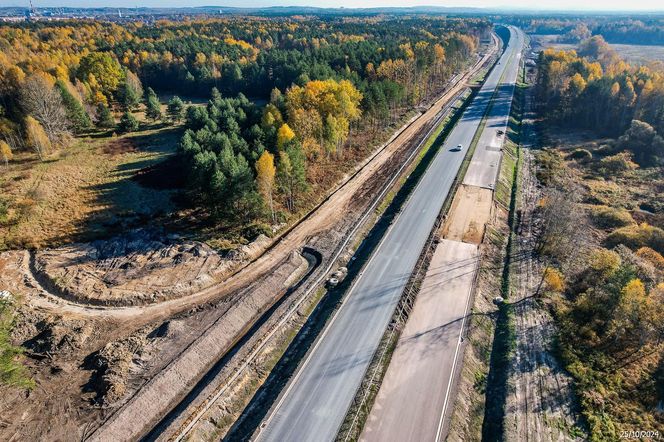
<point x="175" y="109"/>
<point x="152" y="105"/>
<point x="104" y="117"/>
<point x="130" y="91"/>
<point x="76" y="114"/>
<point x="128" y="123"/>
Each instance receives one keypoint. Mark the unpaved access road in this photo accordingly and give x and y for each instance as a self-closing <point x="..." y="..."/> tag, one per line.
<point x="540" y="405"/>
<point x="331" y="212"/>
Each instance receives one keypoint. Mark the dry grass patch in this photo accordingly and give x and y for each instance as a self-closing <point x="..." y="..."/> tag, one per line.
<point x="84" y="191"/>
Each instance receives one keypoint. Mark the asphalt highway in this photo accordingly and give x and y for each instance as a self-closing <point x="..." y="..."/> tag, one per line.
<point x="316" y="400"/>
<point x="415" y="392"/>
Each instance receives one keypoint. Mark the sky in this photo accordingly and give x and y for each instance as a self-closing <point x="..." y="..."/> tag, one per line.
<point x="599" y="5"/>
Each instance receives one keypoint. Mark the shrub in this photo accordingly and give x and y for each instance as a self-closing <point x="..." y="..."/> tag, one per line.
<point x="580" y="155"/>
<point x="4" y="210"/>
<point x="605" y="149"/>
<point x="12" y="370"/>
<point x="620" y="162"/>
<point x="555" y="281"/>
<point x="637" y="236"/>
<point x="653" y="256"/>
<point x="606" y="217"/>
<point x="252" y="231"/>
<point x="605" y="262"/>
<point x="550" y="166"/>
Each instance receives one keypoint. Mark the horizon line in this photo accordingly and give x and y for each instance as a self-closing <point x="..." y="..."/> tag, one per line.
<point x="507" y="8"/>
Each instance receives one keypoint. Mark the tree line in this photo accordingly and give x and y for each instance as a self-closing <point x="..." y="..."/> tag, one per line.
<point x="637" y="30"/>
<point x="595" y="89"/>
<point x="59" y="79"/>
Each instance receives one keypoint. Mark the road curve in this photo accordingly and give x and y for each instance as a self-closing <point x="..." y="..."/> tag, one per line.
<point x="316" y="400"/>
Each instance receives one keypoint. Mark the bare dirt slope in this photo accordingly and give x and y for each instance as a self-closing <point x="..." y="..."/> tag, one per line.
<point x="140" y="267"/>
<point x="85" y="367"/>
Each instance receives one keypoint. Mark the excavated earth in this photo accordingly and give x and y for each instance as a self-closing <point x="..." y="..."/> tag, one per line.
<point x="138" y="268"/>
<point x="102" y="321"/>
<point x="87" y="366"/>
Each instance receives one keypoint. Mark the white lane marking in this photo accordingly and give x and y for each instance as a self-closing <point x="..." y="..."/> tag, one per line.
<point x="438" y="118"/>
<point x="456" y="355"/>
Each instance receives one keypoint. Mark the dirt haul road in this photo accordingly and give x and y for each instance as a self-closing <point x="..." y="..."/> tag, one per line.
<point x="541" y="403"/>
<point x="325" y="217"/>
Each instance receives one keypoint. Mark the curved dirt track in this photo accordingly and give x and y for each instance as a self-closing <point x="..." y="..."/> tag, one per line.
<point x="325" y="216"/>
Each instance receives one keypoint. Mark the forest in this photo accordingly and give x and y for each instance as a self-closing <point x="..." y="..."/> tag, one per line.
<point x="604" y="237"/>
<point x="284" y="94"/>
<point x="595" y="89"/>
<point x="637" y="30"/>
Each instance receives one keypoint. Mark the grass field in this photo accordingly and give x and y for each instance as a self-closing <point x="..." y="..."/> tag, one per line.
<point x="86" y="190"/>
<point x="636" y="54"/>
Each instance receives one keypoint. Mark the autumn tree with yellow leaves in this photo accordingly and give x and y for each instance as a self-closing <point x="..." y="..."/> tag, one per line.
<point x="284" y="135"/>
<point x="6" y="152"/>
<point x="265" y="172"/>
<point x="37" y="137"/>
<point x="322" y="110"/>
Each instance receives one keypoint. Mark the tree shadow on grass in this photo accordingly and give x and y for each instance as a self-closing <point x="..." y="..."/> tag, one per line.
<point x="139" y="193"/>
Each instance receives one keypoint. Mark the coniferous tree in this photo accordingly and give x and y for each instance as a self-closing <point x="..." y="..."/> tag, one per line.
<point x="152" y="105"/>
<point x="128" y="123"/>
<point x="175" y="109"/>
<point x="76" y="114"/>
<point x="104" y="117"/>
<point x="131" y="91"/>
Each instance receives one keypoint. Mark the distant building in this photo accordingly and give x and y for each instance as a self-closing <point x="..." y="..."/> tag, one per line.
<point x="12" y="19"/>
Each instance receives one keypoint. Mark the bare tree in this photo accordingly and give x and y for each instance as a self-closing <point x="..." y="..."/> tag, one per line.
<point x="561" y="239"/>
<point x="12" y="134"/>
<point x="40" y="99"/>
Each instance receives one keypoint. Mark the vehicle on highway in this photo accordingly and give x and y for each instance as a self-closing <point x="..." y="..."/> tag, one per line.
<point x="458" y="148"/>
<point x="337" y="277"/>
